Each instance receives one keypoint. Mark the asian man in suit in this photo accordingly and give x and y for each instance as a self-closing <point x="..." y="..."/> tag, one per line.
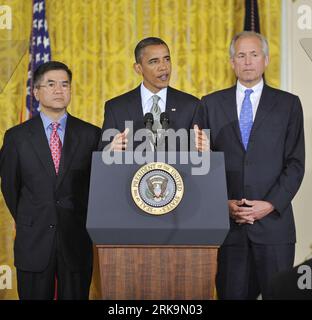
<point x="154" y="95"/>
<point x="45" y="169"/>
<point x="260" y="131"/>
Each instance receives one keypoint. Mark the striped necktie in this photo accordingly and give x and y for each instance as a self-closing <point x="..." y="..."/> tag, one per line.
<point x="155" y="110"/>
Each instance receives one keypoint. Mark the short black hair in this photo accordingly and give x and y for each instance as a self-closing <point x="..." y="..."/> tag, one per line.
<point x="151" y="41"/>
<point x="49" y="66"/>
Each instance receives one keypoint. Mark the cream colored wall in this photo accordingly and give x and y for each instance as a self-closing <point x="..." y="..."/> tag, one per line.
<point x="297" y="78"/>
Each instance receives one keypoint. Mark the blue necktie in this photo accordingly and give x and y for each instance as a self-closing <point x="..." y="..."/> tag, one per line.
<point x="246" y="118"/>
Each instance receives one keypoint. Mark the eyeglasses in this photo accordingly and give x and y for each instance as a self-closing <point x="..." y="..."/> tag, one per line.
<point x="51" y="85"/>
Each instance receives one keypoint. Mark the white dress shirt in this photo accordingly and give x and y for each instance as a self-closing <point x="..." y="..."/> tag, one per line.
<point x="254" y="97"/>
<point x="147" y="100"/>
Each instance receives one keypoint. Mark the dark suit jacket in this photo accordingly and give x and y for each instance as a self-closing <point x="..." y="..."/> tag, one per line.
<point x="271" y="169"/>
<point x="41" y="202"/>
<point x="180" y="106"/>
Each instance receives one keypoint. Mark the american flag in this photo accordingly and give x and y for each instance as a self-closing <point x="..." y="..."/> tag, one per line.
<point x="39" y="52"/>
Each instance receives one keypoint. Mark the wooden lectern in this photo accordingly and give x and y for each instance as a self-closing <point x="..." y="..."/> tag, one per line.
<point x="157" y="272"/>
<point x="167" y="257"/>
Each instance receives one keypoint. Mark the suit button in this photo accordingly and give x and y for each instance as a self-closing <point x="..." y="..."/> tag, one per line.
<point x="57" y="202"/>
<point x="52" y="226"/>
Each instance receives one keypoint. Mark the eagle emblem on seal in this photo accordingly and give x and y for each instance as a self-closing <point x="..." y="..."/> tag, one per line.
<point x="157" y="188"/>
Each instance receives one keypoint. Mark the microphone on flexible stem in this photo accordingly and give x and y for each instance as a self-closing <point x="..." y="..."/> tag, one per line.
<point x="162" y="139"/>
<point x="164" y="120"/>
<point x="148" y="122"/>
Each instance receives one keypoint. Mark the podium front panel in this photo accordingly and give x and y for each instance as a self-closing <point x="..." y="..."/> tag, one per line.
<point x="201" y="218"/>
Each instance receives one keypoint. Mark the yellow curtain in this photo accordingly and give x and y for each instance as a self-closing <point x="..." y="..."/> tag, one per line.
<point x="270" y="25"/>
<point x="13" y="74"/>
<point x="96" y="38"/>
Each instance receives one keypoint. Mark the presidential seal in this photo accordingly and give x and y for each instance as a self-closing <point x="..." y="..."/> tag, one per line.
<point x="157" y="188"/>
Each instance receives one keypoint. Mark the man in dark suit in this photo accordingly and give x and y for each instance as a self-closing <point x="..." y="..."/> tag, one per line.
<point x="45" y="169"/>
<point x="260" y="131"/>
<point x="153" y="95"/>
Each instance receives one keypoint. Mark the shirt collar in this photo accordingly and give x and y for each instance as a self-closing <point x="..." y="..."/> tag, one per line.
<point x="147" y="94"/>
<point x="257" y="88"/>
<point x="47" y="121"/>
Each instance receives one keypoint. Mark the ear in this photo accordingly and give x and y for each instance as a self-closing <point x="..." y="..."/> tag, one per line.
<point x="266" y="61"/>
<point x="138" y="68"/>
<point x="36" y="93"/>
<point x="232" y="62"/>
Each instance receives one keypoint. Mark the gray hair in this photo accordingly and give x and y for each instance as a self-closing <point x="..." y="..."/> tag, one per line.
<point x="248" y="34"/>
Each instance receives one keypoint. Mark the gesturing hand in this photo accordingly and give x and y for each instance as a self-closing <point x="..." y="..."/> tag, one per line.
<point x="120" y="141"/>
<point x="201" y="139"/>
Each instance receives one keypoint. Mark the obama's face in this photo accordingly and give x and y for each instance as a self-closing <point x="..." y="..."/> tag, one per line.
<point x="155" y="67"/>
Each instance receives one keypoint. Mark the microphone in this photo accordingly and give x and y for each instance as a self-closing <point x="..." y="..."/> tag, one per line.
<point x="164" y="120"/>
<point x="162" y="138"/>
<point x="148" y="120"/>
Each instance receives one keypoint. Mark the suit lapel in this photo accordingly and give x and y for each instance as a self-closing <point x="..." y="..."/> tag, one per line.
<point x="134" y="108"/>
<point x="229" y="107"/>
<point x="171" y="103"/>
<point x="71" y="141"/>
<point x="41" y="146"/>
<point x="266" y="103"/>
